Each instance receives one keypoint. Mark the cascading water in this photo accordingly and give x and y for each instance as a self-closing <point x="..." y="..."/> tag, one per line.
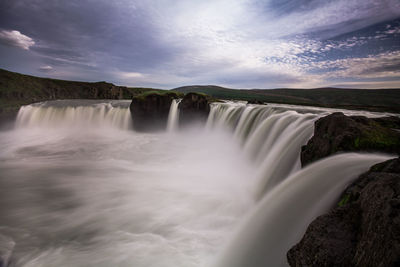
<point x="271" y="136"/>
<point x="281" y="217"/>
<point x="291" y="197"/>
<point x="77" y="189"/>
<point x="173" y="116"/>
<point x="76" y="113"/>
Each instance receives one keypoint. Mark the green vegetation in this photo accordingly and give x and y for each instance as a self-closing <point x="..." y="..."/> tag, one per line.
<point x="160" y="93"/>
<point x="365" y="99"/>
<point x="210" y="99"/>
<point x="344" y="200"/>
<point x="377" y="138"/>
<point x="17" y="89"/>
<point x="14" y="86"/>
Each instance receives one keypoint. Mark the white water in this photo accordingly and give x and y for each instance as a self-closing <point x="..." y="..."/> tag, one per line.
<point x="70" y="113"/>
<point x="173" y="116"/>
<point x="280" y="219"/>
<point x="78" y="188"/>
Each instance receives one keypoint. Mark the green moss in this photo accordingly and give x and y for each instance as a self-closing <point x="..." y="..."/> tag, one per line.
<point x="357" y="143"/>
<point x="210" y="99"/>
<point x="198" y="93"/>
<point x="159" y="93"/>
<point x="377" y="138"/>
<point x="345" y="199"/>
<point x="380" y="138"/>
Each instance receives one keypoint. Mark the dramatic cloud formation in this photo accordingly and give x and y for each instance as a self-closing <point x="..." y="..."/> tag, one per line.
<point x="15" y="38"/>
<point x="236" y="43"/>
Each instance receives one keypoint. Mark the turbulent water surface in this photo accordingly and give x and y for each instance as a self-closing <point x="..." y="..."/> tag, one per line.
<point x="79" y="187"/>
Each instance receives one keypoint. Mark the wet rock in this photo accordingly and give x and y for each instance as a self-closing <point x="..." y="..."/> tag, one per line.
<point x="194" y="108"/>
<point x="339" y="133"/>
<point x="362" y="230"/>
<point x="150" y="110"/>
<point x="255" y="101"/>
<point x="8" y="117"/>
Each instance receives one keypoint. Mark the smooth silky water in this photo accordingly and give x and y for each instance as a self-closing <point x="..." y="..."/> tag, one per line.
<point x="79" y="187"/>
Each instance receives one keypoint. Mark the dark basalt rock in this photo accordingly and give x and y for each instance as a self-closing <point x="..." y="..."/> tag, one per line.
<point x="194" y="108"/>
<point x="255" y="101"/>
<point x="390" y="122"/>
<point x="8" y="117"/>
<point x="150" y="110"/>
<point x="339" y="133"/>
<point x="364" y="228"/>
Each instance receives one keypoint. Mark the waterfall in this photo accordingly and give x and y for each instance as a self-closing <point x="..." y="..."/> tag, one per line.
<point x="271" y="136"/>
<point x="281" y="217"/>
<point x="244" y="167"/>
<point x="289" y="197"/>
<point x="173" y="116"/>
<point x="71" y="113"/>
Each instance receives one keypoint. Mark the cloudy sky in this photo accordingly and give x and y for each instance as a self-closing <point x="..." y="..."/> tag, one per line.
<point x="234" y="43"/>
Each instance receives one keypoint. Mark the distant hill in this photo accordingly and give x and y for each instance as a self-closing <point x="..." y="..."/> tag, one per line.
<point x="18" y="89"/>
<point x="368" y="99"/>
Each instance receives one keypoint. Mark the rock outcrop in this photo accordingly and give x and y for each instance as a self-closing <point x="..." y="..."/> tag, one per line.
<point x="194" y="108"/>
<point x="340" y="133"/>
<point x="150" y="110"/>
<point x="255" y="101"/>
<point x="364" y="228"/>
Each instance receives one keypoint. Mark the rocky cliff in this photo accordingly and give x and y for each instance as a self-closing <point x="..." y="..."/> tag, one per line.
<point x="150" y="110"/>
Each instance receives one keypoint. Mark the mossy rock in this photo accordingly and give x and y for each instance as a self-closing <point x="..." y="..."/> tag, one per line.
<point x="171" y="94"/>
<point x="339" y="133"/>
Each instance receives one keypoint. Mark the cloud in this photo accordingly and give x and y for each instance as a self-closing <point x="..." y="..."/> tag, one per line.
<point x="15" y="38"/>
<point x="241" y="43"/>
<point x="368" y="84"/>
<point x="384" y="65"/>
<point x="130" y="75"/>
<point x="394" y="30"/>
<point x="46" y="68"/>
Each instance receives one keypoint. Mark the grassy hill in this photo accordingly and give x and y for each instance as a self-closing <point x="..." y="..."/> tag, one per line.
<point x="368" y="99"/>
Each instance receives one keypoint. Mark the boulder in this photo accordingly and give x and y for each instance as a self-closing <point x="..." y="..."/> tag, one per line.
<point x="362" y="230"/>
<point x="150" y="110"/>
<point x="339" y="133"/>
<point x="194" y="108"/>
